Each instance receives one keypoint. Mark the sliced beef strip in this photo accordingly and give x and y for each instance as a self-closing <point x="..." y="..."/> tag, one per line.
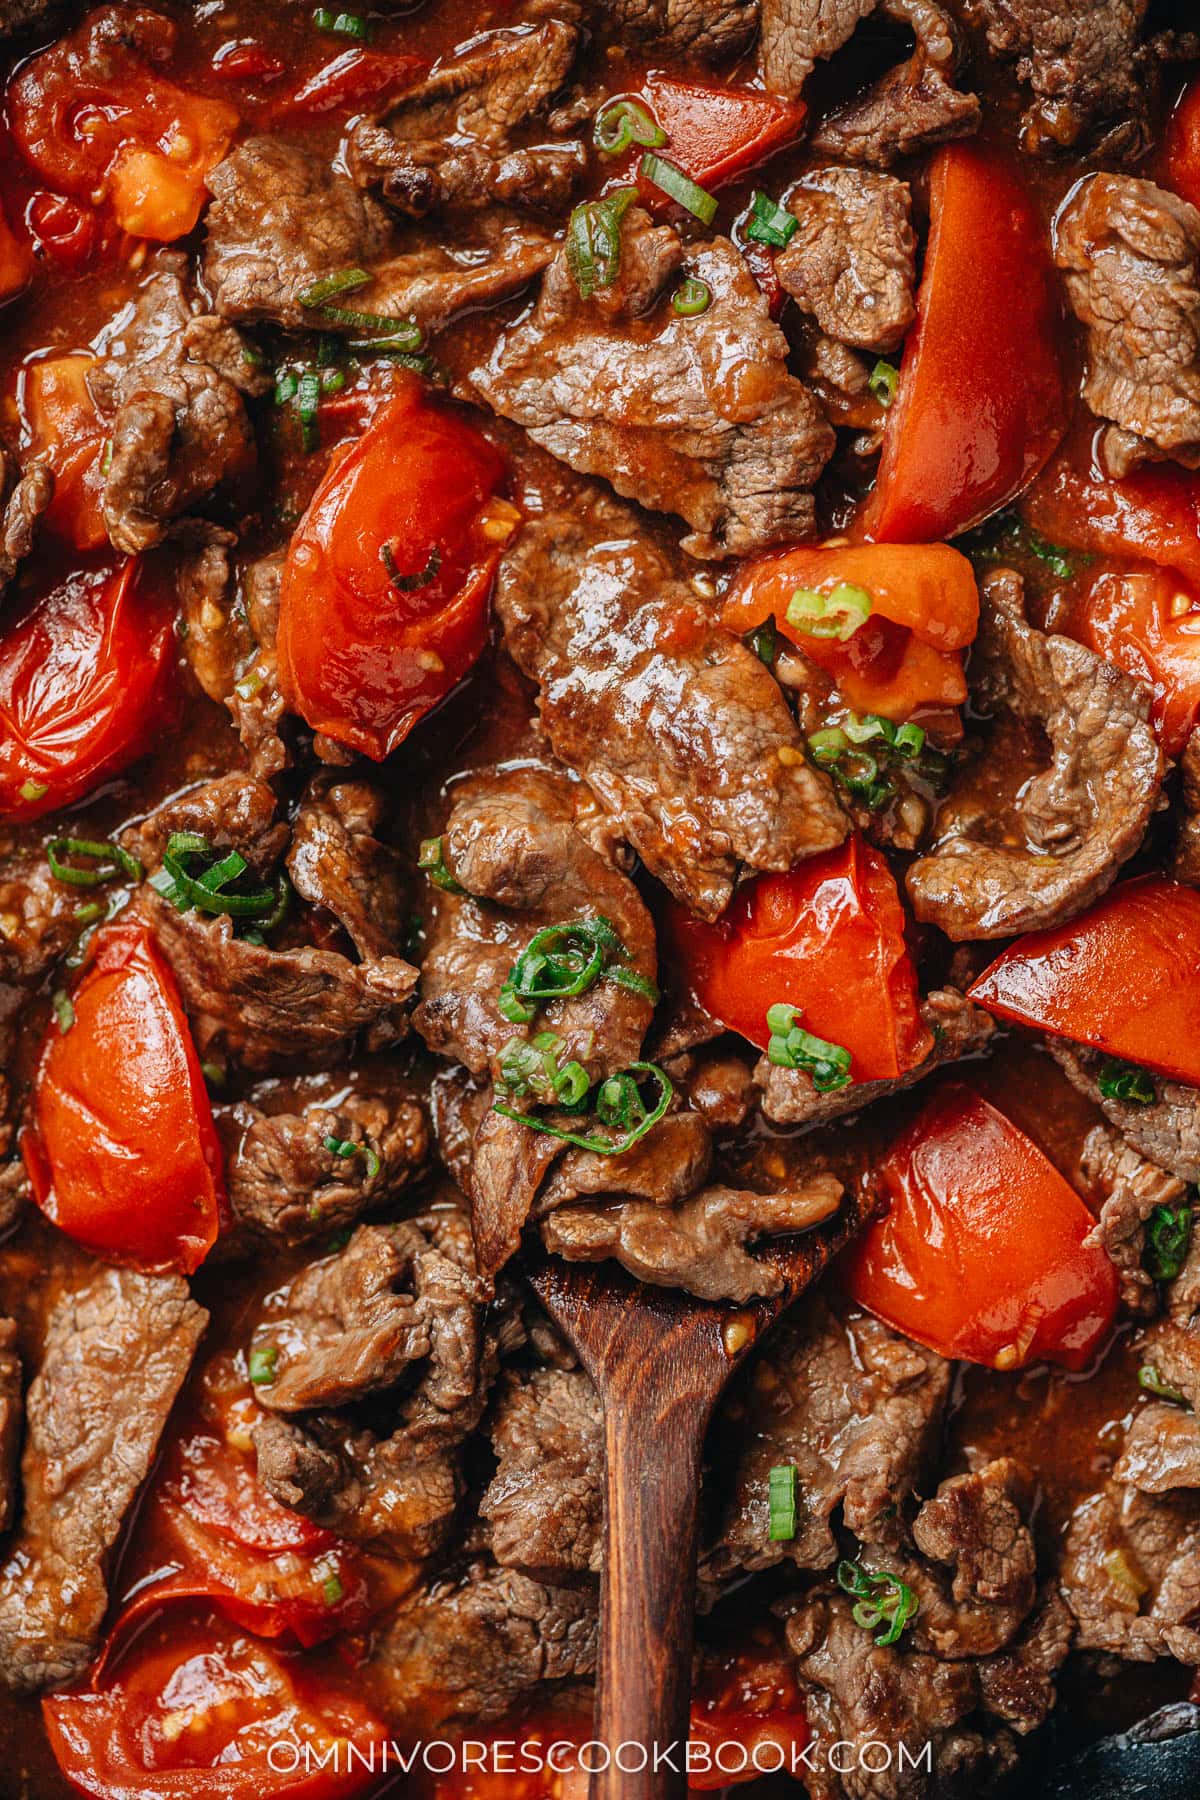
<point x="977" y="1526"/>
<point x="116" y="1353"/>
<point x="1185" y="859"/>
<point x="1130" y="252"/>
<point x="797" y="34"/>
<point x="1161" y="1450"/>
<point x="255" y="701"/>
<point x="698" y="416"/>
<point x="1172" y="1348"/>
<point x="450" y="139"/>
<point x="1006" y="862"/>
<point x="12" y="1413"/>
<point x="472" y="1648"/>
<point x="686" y="741"/>
<point x="911" y="109"/>
<point x="851" y="263"/>
<point x="1018" y="1683"/>
<point x="337" y="862"/>
<point x="855" y="1408"/>
<point x="957" y="1029"/>
<point x="37" y="916"/>
<point x="1167" y="1132"/>
<point x="697" y="30"/>
<point x="171" y="386"/>
<point x="543" y="1504"/>
<point x="26" y="495"/>
<point x="214" y="640"/>
<point x="1131" y="1188"/>
<point x="1131" y="1573"/>
<point x="667" y="1165"/>
<point x="234" y="812"/>
<point x="283" y="219"/>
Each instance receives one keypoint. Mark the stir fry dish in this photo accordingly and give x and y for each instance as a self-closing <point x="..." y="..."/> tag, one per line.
<point x="599" y="670"/>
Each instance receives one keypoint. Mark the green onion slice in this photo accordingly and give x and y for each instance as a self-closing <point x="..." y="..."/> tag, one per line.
<point x="64" y="1011"/>
<point x="1125" y="1081"/>
<point x="1168" y="1236"/>
<point x="764" y="640"/>
<point x="343" y="24"/>
<point x="34" y="790"/>
<point x="1150" y="1379"/>
<point x="345" y="1148"/>
<point x="679" y="187"/>
<point x="619" y="1105"/>
<point x="561" y="961"/>
<point x="342" y="281"/>
<point x="593" y="243"/>
<point x="332" y="1589"/>
<point x="881" y="1599"/>
<point x="883" y="381"/>
<point x="409" y="584"/>
<point x="308" y="399"/>
<point x="835" y="615"/>
<point x="791" y="1047"/>
<point x="262" y="1364"/>
<point x="624" y="122"/>
<point x="207" y="890"/>
<point x="781" y="1503"/>
<point x="691" y="297"/>
<point x="109" y="859"/>
<point x="432" y="862"/>
<point x="769" y="222"/>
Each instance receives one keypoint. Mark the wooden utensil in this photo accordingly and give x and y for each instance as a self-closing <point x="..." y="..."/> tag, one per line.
<point x="660" y="1360"/>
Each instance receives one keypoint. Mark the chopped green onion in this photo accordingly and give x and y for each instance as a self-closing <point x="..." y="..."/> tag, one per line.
<point x="262" y="1364"/>
<point x="883" y="381"/>
<point x="625" y="122"/>
<point x="571" y="1085"/>
<point x="308" y="399"/>
<point x="881" y="1599"/>
<point x="632" y="982"/>
<point x="106" y="456"/>
<point x="678" y="187"/>
<point x="691" y="297"/>
<point x="432" y="862"/>
<point x="828" y="746"/>
<point x="344" y="1148"/>
<point x="64" y="1011"/>
<point x="619" y="1103"/>
<point x="593" y="243"/>
<point x="396" y="334"/>
<point x="248" y="685"/>
<point x="1150" y="1379"/>
<point x="332" y="1590"/>
<point x="333" y="381"/>
<point x="213" y="1072"/>
<point x="408" y="584"/>
<point x="909" y="741"/>
<point x="344" y="281"/>
<point x="286" y="385"/>
<point x="1168" y="1235"/>
<point x="764" y="640"/>
<point x="835" y="615"/>
<point x="205" y="891"/>
<point x="770" y="223"/>
<point x="252" y="356"/>
<point x="87" y="915"/>
<point x="791" y="1047"/>
<point x="1056" y="559"/>
<point x="781" y="1503"/>
<point x="561" y="961"/>
<point x="109" y="857"/>
<point x="344" y="24"/>
<point x="34" y="790"/>
<point x="1125" y="1081"/>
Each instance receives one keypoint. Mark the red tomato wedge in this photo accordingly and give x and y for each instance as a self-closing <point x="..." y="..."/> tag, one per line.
<point x="66" y="429"/>
<point x="982" y="398"/>
<point x="64" y="230"/>
<point x="981" y="1253"/>
<point x="1153" y="513"/>
<point x="121" y="1149"/>
<point x="827" y="938"/>
<point x="16" y="261"/>
<point x="85" y="686"/>
<point x="717" y="134"/>
<point x="384" y="600"/>
<point x="924" y="612"/>
<point x="351" y="81"/>
<point x="1183" y="145"/>
<point x="1123" y="977"/>
<point x="190" y="1708"/>
<point x="1147" y="621"/>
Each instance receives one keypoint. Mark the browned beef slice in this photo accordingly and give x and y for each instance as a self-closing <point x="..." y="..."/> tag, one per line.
<point x="1167" y="1132"/>
<point x="669" y="1163"/>
<point x="472" y="1648"/>
<point x="1172" y="1349"/>
<point x="26" y="495"/>
<point x="1017" y="1684"/>
<point x="1130" y="1189"/>
<point x="912" y="108"/>
<point x="1161" y="1450"/>
<point x="214" y="640"/>
<point x="957" y="1029"/>
<point x="850" y="263"/>
<point x="336" y="862"/>
<point x="116" y="1353"/>
<point x="286" y="1185"/>
<point x="11" y="1415"/>
<point x="234" y="812"/>
<point x="544" y="1501"/>
<point x="231" y="647"/>
<point x="698" y="416"/>
<point x="976" y="1525"/>
<point x="701" y="30"/>
<point x="1131" y="1573"/>
<point x="1008" y="861"/>
<point x="452" y="139"/>
<point x="513" y="845"/>
<point x="797" y="34"/>
<point x="171" y="387"/>
<point x="855" y="1408"/>
<point x="1131" y="255"/>
<point x="1185" y="860"/>
<point x="686" y="740"/>
<point x="37" y="915"/>
<point x="255" y="702"/>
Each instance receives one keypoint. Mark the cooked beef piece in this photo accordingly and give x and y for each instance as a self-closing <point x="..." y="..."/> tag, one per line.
<point x="699" y="30"/>
<point x="170" y="386"/>
<point x="26" y="495"/>
<point x="851" y="262"/>
<point x="336" y="862"/>
<point x="116" y="1353"/>
<point x="855" y="1408"/>
<point x="285" y="1185"/>
<point x="957" y="1029"/>
<point x="397" y="1295"/>
<point x="37" y="917"/>
<point x="499" y="1161"/>
<point x="691" y="415"/>
<point x="449" y="140"/>
<point x="1008" y="861"/>
<point x="1182" y="1294"/>
<point x="1167" y="1132"/>
<point x="15" y="1190"/>
<point x="215" y="639"/>
<point x="1131" y="1573"/>
<point x="1161" y="1450"/>
<point x="544" y="1501"/>
<point x="1018" y="1684"/>
<point x="1171" y="1347"/>
<point x="678" y="728"/>
<point x="698" y="1244"/>
<point x="668" y="1164"/>
<point x="717" y="1086"/>
<point x="977" y="1525"/>
<point x="511" y="843"/>
<point x="234" y="812"/>
<point x="11" y="1414"/>
<point x="1129" y="1188"/>
<point x="1131" y="256"/>
<point x="797" y="34"/>
<point x="283" y="219"/>
<point x="17" y="17"/>
<point x="1185" y="861"/>
<point x="255" y="702"/>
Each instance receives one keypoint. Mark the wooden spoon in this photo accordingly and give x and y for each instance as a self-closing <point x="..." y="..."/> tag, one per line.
<point x="660" y="1360"/>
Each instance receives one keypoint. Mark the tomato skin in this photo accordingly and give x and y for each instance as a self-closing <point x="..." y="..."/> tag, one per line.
<point x="717" y="133"/>
<point x="358" y="660"/>
<point x="828" y="938"/>
<point x="16" y="261"/>
<point x="121" y="1149"/>
<point x="981" y="1254"/>
<point x="1183" y="145"/>
<point x="1154" y="513"/>
<point x="1124" y="977"/>
<point x="982" y="398"/>
<point x="352" y="80"/>
<point x="1127" y="616"/>
<point x="65" y="231"/>
<point x="86" y="684"/>
<point x="65" y="428"/>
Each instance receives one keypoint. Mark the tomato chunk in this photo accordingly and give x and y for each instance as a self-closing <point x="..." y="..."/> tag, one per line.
<point x="717" y="134"/>
<point x="65" y="427"/>
<point x="16" y="261"/>
<point x="352" y="80"/>
<point x="1183" y="145"/>
<point x="908" y="654"/>
<point x="85" y="686"/>
<point x="827" y="938"/>
<point x="1123" y="977"/>
<point x="1154" y="513"/>
<point x="982" y="397"/>
<point x="384" y="601"/>
<point x="122" y="1150"/>
<point x="65" y="231"/>
<point x="981" y="1254"/>
<point x="1147" y="621"/>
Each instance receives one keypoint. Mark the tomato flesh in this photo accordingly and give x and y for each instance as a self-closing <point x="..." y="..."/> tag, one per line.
<point x="716" y="134"/>
<point x="65" y="429"/>
<point x="1147" y="621"/>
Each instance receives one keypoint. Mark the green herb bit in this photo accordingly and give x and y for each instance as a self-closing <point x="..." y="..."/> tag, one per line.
<point x="213" y="1072"/>
<point x="880" y="1599"/>
<point x="677" y="186"/>
<point x="34" y="790"/>
<point x="332" y="1589"/>
<point x="781" y="1503"/>
<point x="883" y="381"/>
<point x="1051" y="554"/>
<point x="343" y="24"/>
<point x="208" y="891"/>
<point x="88" y="913"/>
<point x="619" y="1105"/>
<point x="791" y="1047"/>
<point x="562" y="961"/>
<point x="1125" y="1081"/>
<point x="593" y="243"/>
<point x="432" y="862"/>
<point x="345" y="1148"/>
<point x="308" y="399"/>
<point x="286" y="386"/>
<point x="263" y="1361"/>
<point x="1150" y="1379"/>
<point x="835" y="615"/>
<point x="691" y="297"/>
<point x="625" y="122"/>
<point x="769" y="222"/>
<point x="764" y="641"/>
<point x="409" y="584"/>
<point x="109" y="860"/>
<point x="64" y="1011"/>
<point x="1168" y="1235"/>
<point x="342" y="281"/>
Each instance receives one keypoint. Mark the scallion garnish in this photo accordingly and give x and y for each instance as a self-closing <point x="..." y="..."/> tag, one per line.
<point x="89" y="913"/>
<point x="618" y="1106"/>
<point x="1054" y="558"/>
<point x="883" y="381"/>
<point x="342" y="281"/>
<point x="408" y="584"/>
<point x="561" y="961"/>
<point x="781" y="1503"/>
<point x="624" y="122"/>
<point x="286" y="384"/>
<point x="308" y="399"/>
<point x="64" y="1011"/>
<point x="593" y="243"/>
<point x="881" y="1599"/>
<point x="764" y="640"/>
<point x="769" y="222"/>
<point x="432" y="862"/>
<point x="1125" y="1081"/>
<point x="342" y="24"/>
<point x="1168" y="1235"/>
<point x="332" y="1589"/>
<point x="109" y="859"/>
<point x="1150" y="1379"/>
<point x="262" y="1364"/>
<point x="34" y="790"/>
<point x="791" y="1047"/>
<point x="838" y="614"/>
<point x="678" y="187"/>
<point x="691" y="297"/>
<point x="207" y="890"/>
<point x="345" y="1148"/>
